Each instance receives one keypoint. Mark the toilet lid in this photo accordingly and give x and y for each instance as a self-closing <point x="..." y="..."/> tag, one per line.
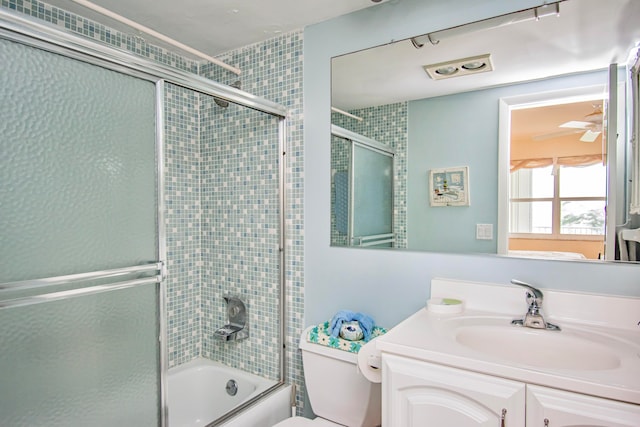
<point x="306" y="422"/>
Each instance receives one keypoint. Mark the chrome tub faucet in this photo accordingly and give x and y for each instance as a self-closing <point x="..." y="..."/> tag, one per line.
<point x="236" y="328"/>
<point x="533" y="318"/>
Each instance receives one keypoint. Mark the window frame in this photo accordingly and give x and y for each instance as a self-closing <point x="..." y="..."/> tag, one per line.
<point x="556" y="204"/>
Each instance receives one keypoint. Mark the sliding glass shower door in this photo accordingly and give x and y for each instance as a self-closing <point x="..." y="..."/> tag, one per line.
<point x="79" y="272"/>
<point x="372" y="200"/>
<point x="362" y="183"/>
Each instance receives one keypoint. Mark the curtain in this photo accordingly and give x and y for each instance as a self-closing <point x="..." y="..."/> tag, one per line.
<point x="585" y="160"/>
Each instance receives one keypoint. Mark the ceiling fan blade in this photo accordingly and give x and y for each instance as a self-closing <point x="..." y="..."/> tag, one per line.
<point x="558" y="134"/>
<point x="574" y="124"/>
<point x="589" y="136"/>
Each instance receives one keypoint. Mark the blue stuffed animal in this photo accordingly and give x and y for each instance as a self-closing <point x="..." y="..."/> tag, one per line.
<point x="351" y="331"/>
<point x="364" y="321"/>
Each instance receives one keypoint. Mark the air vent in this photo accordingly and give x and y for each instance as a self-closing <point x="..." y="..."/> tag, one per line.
<point x="460" y="67"/>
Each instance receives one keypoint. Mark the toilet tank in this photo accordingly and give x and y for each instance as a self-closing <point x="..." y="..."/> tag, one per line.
<point x="338" y="392"/>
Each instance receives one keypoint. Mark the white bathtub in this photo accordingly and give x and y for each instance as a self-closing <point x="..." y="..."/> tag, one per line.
<point x="196" y="395"/>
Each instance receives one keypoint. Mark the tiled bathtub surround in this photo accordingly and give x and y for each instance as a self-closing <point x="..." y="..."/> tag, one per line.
<point x="240" y="232"/>
<point x="194" y="157"/>
<point x="273" y="70"/>
<point x="183" y="162"/>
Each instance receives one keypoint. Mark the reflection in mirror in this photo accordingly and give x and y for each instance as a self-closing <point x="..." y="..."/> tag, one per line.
<point x="362" y="197"/>
<point x="557" y="181"/>
<point x="536" y="68"/>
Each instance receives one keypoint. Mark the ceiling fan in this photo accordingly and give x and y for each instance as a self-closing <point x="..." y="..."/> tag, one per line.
<point x="590" y="127"/>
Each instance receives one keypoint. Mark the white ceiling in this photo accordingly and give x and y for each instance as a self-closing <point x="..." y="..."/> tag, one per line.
<point x="588" y="35"/>
<point x="217" y="26"/>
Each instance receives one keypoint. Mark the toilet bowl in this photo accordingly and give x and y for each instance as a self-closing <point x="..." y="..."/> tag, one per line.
<point x="339" y="394"/>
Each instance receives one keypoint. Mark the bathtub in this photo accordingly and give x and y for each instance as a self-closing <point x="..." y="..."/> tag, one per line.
<point x="197" y="395"/>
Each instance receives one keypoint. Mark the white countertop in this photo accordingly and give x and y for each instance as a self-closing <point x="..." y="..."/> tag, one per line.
<point x="431" y="337"/>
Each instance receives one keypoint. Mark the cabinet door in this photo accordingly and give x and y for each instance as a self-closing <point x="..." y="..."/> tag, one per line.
<point x="419" y="394"/>
<point x="556" y="408"/>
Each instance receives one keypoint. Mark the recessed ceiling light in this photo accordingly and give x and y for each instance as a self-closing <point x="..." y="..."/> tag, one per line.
<point x="460" y="67"/>
<point x="475" y="65"/>
<point x="446" y="71"/>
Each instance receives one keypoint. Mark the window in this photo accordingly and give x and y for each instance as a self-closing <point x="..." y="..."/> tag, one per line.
<point x="569" y="202"/>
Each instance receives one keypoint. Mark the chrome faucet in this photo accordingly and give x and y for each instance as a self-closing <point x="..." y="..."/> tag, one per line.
<point x="533" y="318"/>
<point x="236" y="327"/>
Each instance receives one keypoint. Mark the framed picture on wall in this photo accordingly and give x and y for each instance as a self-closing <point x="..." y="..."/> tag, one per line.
<point x="449" y="187"/>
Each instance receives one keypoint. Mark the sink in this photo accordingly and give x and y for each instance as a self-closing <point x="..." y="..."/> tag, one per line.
<point x="540" y="348"/>
<point x="597" y="351"/>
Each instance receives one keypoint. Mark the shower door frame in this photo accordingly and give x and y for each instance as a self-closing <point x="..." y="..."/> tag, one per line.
<point x="355" y="139"/>
<point x="35" y="34"/>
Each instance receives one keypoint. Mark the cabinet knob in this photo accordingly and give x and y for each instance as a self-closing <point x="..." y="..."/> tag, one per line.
<point x="503" y="417"/>
<point x="546" y="422"/>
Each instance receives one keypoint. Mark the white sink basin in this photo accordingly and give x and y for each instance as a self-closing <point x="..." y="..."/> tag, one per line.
<point x="597" y="352"/>
<point x="540" y="348"/>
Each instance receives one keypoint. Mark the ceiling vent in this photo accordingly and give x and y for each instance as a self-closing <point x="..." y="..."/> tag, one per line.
<point x="460" y="67"/>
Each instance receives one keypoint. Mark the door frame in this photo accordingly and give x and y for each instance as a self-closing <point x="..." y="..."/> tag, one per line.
<point x="508" y="104"/>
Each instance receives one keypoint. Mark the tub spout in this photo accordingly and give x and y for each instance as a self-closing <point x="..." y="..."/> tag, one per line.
<point x="236" y="327"/>
<point x="230" y="333"/>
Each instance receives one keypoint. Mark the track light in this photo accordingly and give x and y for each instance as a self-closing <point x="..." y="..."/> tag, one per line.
<point x="535" y="13"/>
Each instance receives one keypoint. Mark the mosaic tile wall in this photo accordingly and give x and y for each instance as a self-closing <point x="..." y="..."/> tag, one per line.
<point x="240" y="233"/>
<point x="273" y="70"/>
<point x="387" y="124"/>
<point x="183" y="216"/>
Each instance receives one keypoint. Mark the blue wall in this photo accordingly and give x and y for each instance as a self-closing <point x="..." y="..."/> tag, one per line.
<point x="390" y="285"/>
<point x="462" y="130"/>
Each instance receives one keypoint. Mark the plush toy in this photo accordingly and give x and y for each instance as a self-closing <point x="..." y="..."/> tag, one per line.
<point x="365" y="323"/>
<point x="351" y="331"/>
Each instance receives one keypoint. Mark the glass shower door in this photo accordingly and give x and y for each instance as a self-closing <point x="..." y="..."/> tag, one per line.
<point x="78" y="195"/>
<point x="372" y="197"/>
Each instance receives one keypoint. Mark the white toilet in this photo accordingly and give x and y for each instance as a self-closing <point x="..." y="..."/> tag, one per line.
<point x="340" y="395"/>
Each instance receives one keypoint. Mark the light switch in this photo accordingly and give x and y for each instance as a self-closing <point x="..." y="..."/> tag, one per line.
<point x="484" y="231"/>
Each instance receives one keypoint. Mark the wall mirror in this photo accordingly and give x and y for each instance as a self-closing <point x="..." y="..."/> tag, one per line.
<point x="522" y="104"/>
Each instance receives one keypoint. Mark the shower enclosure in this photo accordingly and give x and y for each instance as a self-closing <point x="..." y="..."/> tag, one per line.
<point x="362" y="191"/>
<point x="131" y="204"/>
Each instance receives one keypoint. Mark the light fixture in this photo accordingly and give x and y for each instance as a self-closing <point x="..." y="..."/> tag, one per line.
<point x="446" y="70"/>
<point x="459" y="67"/>
<point x="534" y="13"/>
<point x="474" y="66"/>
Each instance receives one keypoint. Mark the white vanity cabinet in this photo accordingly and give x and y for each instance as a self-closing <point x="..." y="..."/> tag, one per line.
<point x="558" y="408"/>
<point x="475" y="368"/>
<point x="417" y="393"/>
